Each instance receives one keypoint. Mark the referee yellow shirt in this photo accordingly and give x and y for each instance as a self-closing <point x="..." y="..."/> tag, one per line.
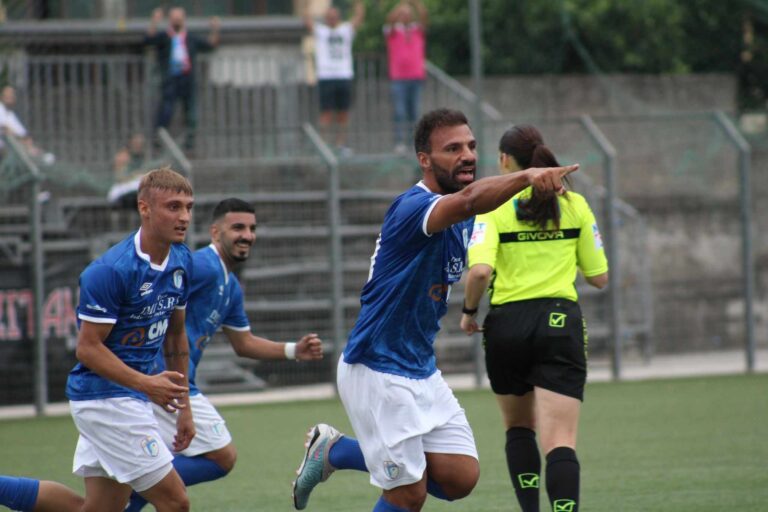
<point x="531" y="263"/>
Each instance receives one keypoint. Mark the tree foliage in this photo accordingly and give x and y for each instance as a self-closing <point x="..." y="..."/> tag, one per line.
<point x="552" y="36"/>
<point x="596" y="36"/>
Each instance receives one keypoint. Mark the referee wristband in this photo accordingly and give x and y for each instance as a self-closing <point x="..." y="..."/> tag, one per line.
<point x="467" y="311"/>
<point x="290" y="351"/>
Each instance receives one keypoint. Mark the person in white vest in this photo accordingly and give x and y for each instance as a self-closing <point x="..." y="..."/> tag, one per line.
<point x="334" y="69"/>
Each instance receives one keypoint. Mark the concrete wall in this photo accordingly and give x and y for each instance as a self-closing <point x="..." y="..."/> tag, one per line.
<point x="552" y="96"/>
<point x="681" y="175"/>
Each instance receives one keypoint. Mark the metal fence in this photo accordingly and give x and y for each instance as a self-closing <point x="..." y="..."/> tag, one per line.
<point x="83" y="108"/>
<point x="671" y="194"/>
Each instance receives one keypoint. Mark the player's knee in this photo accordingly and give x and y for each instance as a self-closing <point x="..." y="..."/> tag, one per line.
<point x="225" y="457"/>
<point x="179" y="503"/>
<point x="462" y="486"/>
<point x="229" y="458"/>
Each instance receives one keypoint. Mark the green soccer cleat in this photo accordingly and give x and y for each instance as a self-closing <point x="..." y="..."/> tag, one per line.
<point x="315" y="467"/>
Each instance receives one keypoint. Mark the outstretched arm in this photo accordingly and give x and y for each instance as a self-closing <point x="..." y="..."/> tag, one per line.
<point x="308" y="348"/>
<point x="309" y="22"/>
<point x="421" y="12"/>
<point x="155" y="20"/>
<point x="358" y="16"/>
<point x="487" y="194"/>
<point x="215" y="36"/>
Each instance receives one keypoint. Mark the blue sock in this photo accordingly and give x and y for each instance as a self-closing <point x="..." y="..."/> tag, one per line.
<point x="18" y="493"/>
<point x="384" y="506"/>
<point x="434" y="489"/>
<point x="346" y="454"/>
<point x="192" y="470"/>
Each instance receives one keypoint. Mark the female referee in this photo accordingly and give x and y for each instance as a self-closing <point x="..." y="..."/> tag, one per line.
<point x="534" y="335"/>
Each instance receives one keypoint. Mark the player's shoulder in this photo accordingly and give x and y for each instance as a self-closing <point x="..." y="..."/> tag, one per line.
<point x="205" y="261"/>
<point x="120" y="256"/>
<point x="419" y="192"/>
<point x="575" y="201"/>
<point x="114" y="266"/>
<point x="413" y="198"/>
<point x="182" y="253"/>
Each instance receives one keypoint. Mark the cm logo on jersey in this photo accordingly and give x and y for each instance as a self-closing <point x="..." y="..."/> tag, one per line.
<point x="157" y="329"/>
<point x="137" y="338"/>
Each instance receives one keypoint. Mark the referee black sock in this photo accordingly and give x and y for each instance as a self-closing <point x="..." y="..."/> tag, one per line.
<point x="563" y="479"/>
<point x="524" y="463"/>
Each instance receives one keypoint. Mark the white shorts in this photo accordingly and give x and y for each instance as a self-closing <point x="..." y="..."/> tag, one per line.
<point x="212" y="433"/>
<point x="397" y="420"/>
<point x="119" y="439"/>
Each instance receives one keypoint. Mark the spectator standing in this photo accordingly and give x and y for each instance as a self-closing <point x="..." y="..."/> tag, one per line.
<point x="176" y="54"/>
<point x="334" y="68"/>
<point x="405" y="35"/>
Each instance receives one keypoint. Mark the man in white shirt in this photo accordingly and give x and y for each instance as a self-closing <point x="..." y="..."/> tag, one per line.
<point x="333" y="65"/>
<point x="10" y="124"/>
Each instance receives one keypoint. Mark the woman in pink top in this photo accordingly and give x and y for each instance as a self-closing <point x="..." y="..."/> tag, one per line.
<point x="405" y="36"/>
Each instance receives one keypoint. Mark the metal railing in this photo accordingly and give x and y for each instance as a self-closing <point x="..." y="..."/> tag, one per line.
<point x="29" y="166"/>
<point x="334" y="232"/>
<point x="83" y="108"/>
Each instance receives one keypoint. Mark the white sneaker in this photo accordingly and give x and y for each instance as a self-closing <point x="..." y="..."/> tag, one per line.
<point x="315" y="467"/>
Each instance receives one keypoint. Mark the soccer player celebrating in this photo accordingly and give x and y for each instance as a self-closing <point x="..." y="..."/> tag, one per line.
<point x="131" y="308"/>
<point x="216" y="300"/>
<point x="535" y="342"/>
<point x="413" y="435"/>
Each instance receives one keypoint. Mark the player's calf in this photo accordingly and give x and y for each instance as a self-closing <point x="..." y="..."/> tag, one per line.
<point x="406" y="497"/>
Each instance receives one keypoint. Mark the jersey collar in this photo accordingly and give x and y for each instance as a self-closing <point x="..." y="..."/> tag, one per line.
<point x="421" y="184"/>
<point x="223" y="266"/>
<point x="141" y="254"/>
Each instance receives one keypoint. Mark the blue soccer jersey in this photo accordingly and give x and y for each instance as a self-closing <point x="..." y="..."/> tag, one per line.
<point x="408" y="288"/>
<point x="215" y="300"/>
<point x="137" y="297"/>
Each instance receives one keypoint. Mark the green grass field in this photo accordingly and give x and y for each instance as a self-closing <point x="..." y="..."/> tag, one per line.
<point x="698" y="445"/>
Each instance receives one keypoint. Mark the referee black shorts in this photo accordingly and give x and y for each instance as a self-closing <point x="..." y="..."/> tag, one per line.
<point x="539" y="342"/>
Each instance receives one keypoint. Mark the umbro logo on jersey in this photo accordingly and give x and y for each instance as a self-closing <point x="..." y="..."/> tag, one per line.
<point x="146" y="289"/>
<point x="96" y="307"/>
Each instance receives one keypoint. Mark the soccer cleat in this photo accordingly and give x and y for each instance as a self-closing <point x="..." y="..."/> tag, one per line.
<point x="315" y="467"/>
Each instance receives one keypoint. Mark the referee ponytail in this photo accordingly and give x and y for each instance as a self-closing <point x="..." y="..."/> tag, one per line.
<point x="525" y="144"/>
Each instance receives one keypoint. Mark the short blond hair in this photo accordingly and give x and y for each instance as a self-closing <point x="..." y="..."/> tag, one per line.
<point x="164" y="178"/>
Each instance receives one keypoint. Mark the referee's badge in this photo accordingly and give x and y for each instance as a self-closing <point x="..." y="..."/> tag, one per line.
<point x="391" y="469"/>
<point x="597" y="236"/>
<point x="478" y="234"/>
